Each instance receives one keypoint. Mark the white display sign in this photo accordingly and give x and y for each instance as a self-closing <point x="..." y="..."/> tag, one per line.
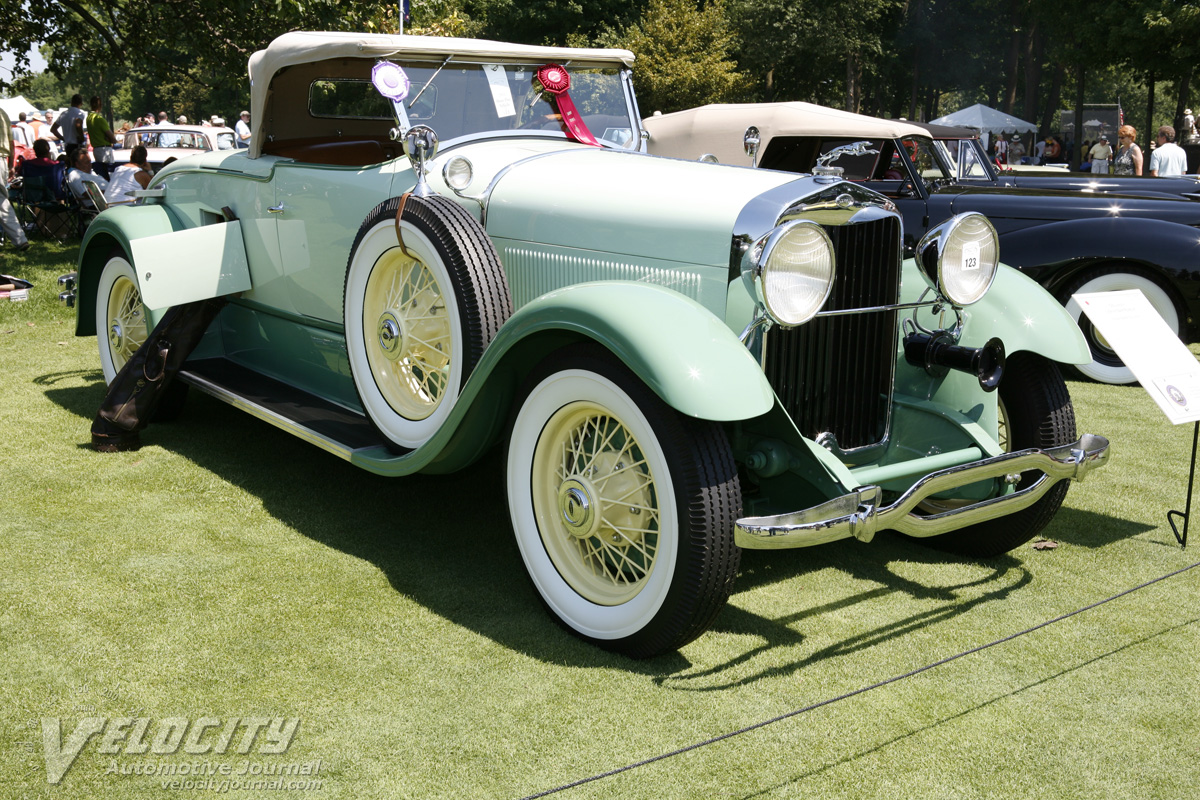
<point x="1163" y="364"/>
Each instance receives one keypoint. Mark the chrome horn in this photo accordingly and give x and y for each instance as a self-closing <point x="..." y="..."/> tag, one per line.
<point x="420" y="145"/>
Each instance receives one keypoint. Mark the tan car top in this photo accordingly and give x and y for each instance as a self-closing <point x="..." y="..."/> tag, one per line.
<point x="720" y="128"/>
<point x="302" y="47"/>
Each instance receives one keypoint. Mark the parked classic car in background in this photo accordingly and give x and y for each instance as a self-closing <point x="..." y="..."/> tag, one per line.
<point x="970" y="163"/>
<point x="174" y="141"/>
<point x="681" y="359"/>
<point x="1068" y="241"/>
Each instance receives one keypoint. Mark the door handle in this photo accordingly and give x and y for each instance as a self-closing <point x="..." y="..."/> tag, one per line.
<point x="276" y="209"/>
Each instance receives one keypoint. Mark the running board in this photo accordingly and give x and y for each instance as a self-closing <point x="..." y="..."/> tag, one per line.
<point x="330" y="427"/>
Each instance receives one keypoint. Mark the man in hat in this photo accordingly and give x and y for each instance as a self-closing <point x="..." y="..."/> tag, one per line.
<point x="1189" y="127"/>
<point x="1101" y="154"/>
<point x="242" y="130"/>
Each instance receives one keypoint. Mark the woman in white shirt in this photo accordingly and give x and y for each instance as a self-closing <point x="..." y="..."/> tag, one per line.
<point x="128" y="177"/>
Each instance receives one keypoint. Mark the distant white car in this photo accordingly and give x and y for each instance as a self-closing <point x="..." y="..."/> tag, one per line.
<point x="176" y="141"/>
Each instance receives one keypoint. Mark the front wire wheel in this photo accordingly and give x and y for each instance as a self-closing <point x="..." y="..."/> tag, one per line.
<point x="623" y="509"/>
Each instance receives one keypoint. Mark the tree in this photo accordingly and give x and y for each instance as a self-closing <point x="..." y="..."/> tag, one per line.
<point x="683" y="56"/>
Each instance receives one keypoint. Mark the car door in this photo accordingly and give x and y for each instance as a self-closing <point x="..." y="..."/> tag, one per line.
<point x="318" y="210"/>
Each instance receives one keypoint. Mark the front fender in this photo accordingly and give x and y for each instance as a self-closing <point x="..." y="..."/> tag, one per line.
<point x="1025" y="317"/>
<point x="116" y="227"/>
<point x="675" y="345"/>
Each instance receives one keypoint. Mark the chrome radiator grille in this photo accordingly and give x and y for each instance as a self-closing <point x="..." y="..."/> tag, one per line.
<point x="834" y="374"/>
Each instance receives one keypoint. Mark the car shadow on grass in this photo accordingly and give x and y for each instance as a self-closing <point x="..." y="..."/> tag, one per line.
<point x="446" y="541"/>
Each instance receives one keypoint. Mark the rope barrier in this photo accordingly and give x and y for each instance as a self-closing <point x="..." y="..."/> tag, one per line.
<point x="862" y="690"/>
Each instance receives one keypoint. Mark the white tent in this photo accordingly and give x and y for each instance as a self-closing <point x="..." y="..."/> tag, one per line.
<point x="13" y="106"/>
<point x="985" y="119"/>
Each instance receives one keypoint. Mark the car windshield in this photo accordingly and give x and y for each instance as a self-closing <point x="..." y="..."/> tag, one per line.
<point x="965" y="157"/>
<point x="167" y="138"/>
<point x="465" y="99"/>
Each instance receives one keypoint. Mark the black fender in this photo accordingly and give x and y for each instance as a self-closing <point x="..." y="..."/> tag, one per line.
<point x="1055" y="253"/>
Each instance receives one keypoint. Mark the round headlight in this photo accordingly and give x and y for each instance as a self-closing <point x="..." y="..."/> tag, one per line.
<point x="960" y="257"/>
<point x="458" y="173"/>
<point x="796" y="271"/>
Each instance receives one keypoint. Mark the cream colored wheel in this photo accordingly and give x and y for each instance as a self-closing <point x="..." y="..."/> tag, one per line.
<point x="623" y="509"/>
<point x="595" y="500"/>
<point x="419" y="316"/>
<point x="120" y="316"/>
<point x="411" y="354"/>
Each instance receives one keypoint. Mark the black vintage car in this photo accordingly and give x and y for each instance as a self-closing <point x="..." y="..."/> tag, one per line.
<point x="1069" y="241"/>
<point x="965" y="154"/>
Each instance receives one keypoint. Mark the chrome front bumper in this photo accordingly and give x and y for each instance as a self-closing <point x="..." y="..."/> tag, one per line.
<point x="859" y="514"/>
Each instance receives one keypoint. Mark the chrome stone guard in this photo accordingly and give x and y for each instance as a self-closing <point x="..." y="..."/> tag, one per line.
<point x="859" y="514"/>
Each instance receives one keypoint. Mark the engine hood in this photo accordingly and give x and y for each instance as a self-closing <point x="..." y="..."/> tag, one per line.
<point x="630" y="203"/>
<point x="1046" y="205"/>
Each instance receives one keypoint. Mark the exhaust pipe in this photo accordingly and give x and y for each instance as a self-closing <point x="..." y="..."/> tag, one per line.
<point x="938" y="354"/>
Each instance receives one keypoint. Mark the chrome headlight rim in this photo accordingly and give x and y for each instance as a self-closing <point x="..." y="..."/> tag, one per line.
<point x="458" y="173"/>
<point x="765" y="271"/>
<point x="941" y="273"/>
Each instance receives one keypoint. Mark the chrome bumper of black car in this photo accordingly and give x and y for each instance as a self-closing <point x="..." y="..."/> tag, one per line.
<point x="859" y="513"/>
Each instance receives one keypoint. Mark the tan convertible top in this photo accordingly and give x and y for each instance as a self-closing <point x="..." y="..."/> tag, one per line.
<point x="719" y="129"/>
<point x="302" y="47"/>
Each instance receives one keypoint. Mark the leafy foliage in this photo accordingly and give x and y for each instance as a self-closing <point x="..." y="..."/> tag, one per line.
<point x="684" y="56"/>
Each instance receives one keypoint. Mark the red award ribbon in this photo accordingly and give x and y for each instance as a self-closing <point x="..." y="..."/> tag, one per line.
<point x="556" y="81"/>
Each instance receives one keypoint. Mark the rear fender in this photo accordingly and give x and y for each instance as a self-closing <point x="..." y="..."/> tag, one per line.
<point x="175" y="263"/>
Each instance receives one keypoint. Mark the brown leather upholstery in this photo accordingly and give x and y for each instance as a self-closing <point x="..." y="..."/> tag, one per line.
<point x="338" y="152"/>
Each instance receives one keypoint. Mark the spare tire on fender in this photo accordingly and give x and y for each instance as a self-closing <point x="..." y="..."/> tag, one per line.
<point x="418" y="316"/>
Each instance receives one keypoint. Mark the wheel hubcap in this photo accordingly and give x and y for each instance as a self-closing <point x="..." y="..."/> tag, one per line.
<point x="577" y="510"/>
<point x="391" y="336"/>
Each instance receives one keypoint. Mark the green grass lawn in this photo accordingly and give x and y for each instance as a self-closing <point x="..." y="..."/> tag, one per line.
<point x="228" y="570"/>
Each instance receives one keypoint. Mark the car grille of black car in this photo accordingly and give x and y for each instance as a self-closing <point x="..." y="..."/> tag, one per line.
<point x="834" y="374"/>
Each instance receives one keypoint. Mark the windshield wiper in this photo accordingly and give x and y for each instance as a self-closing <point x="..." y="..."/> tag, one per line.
<point x="431" y="77"/>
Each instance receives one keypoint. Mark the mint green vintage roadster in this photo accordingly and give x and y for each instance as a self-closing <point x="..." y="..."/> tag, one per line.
<point x="437" y="246"/>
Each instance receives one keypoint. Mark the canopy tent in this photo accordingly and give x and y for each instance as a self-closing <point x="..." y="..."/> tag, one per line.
<point x="986" y="119"/>
<point x="13" y="106"/>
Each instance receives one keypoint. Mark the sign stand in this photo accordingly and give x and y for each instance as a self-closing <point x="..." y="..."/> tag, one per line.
<point x="1163" y="365"/>
<point x="1186" y="514"/>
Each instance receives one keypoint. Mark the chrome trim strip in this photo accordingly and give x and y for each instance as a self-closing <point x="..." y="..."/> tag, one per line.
<point x="860" y="515"/>
<point x="266" y="415"/>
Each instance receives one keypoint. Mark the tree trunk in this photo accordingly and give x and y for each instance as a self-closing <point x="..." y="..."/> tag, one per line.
<point x="1011" y="63"/>
<point x="912" y="94"/>
<point x="1034" y="46"/>
<point x="1052" y="101"/>
<point x="1182" y="101"/>
<point x="1075" y="156"/>
<point x="1148" y="135"/>
<point x="770" y="85"/>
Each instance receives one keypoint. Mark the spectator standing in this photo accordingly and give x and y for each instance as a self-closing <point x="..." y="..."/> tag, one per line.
<point x="1189" y="126"/>
<point x="8" y="217"/>
<point x="1053" y="152"/>
<point x="242" y="130"/>
<point x="166" y="139"/>
<point x="1016" y="151"/>
<point x="1001" y="149"/>
<point x="1039" y="151"/>
<point x="69" y="125"/>
<point x="1168" y="159"/>
<point x="102" y="139"/>
<point x="30" y="134"/>
<point x="1128" y="160"/>
<point x="1100" y="153"/>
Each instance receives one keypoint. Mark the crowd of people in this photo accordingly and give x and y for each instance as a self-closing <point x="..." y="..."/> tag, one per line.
<point x="86" y="146"/>
<point x="1099" y="157"/>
